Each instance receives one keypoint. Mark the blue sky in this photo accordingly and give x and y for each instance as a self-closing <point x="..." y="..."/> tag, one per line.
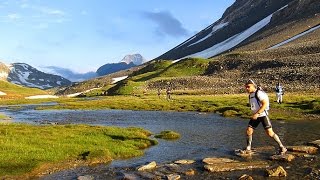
<point x="83" y="35"/>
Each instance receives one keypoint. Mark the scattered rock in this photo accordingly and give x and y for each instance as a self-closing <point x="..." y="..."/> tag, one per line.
<point x="148" y="166"/>
<point x="190" y="172"/>
<point x="184" y="161"/>
<point x="276" y="171"/>
<point x="315" y="143"/>
<point x="303" y="149"/>
<point x="245" y="177"/>
<point x="215" y="160"/>
<point x="127" y="176"/>
<point x="232" y="166"/>
<point x="285" y="157"/>
<point x="314" y="174"/>
<point x="86" y="177"/>
<point x="309" y="156"/>
<point x="147" y="175"/>
<point x="173" y="177"/>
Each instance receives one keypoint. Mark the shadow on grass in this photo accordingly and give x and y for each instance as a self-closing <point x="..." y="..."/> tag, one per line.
<point x="122" y="138"/>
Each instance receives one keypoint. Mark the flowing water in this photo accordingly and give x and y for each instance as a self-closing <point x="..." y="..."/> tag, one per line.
<point x="202" y="134"/>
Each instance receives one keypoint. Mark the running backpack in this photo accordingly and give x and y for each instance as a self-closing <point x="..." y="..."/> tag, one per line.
<point x="258" y="100"/>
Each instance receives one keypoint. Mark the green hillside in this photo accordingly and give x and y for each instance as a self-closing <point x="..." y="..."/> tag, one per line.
<point x="14" y="91"/>
<point x="186" y="67"/>
<point x="160" y="70"/>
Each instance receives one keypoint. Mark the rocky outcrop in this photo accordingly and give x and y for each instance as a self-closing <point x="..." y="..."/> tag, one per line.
<point x="223" y="165"/>
<point x="277" y="171"/>
<point x="136" y="59"/>
<point x="303" y="149"/>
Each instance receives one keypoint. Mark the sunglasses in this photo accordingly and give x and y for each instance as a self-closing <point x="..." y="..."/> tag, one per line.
<point x="247" y="87"/>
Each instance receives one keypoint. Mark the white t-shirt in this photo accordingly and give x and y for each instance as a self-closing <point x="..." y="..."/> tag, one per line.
<point x="279" y="89"/>
<point x="255" y="105"/>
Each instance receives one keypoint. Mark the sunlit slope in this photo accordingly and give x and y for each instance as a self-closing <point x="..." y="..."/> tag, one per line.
<point x="281" y="31"/>
<point x="161" y="71"/>
<point x="14" y="91"/>
<point x="295" y="65"/>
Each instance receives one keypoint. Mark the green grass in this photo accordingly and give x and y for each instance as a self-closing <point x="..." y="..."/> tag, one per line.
<point x="169" y="135"/>
<point x="2" y="116"/>
<point x="160" y="69"/>
<point x="14" y="91"/>
<point x="186" y="67"/>
<point x="295" y="106"/>
<point x="25" y="148"/>
<point x="127" y="87"/>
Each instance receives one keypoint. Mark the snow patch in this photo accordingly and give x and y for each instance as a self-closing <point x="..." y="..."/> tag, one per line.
<point x="176" y="61"/>
<point x="3" y="75"/>
<point x="295" y="37"/>
<point x="234" y="40"/>
<point x="78" y="93"/>
<point x="117" y="79"/>
<point x="73" y="95"/>
<point x="214" y="29"/>
<point x="41" y="97"/>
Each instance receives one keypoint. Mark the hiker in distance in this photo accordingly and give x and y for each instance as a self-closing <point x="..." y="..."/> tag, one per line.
<point x="259" y="102"/>
<point x="279" y="93"/>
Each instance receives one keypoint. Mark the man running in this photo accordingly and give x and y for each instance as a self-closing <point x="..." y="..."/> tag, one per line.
<point x="259" y="102"/>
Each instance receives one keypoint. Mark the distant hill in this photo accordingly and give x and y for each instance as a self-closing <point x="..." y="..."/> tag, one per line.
<point x="127" y="62"/>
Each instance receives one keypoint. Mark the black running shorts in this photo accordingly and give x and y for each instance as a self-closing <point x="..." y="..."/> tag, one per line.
<point x="265" y="122"/>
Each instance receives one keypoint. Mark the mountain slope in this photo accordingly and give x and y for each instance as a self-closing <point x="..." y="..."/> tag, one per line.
<point x="247" y="19"/>
<point x="26" y="75"/>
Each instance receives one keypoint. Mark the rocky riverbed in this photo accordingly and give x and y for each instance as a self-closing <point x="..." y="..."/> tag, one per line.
<point x="300" y="162"/>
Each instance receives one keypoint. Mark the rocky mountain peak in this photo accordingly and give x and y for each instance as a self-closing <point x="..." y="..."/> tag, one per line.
<point x="26" y="75"/>
<point x="136" y="59"/>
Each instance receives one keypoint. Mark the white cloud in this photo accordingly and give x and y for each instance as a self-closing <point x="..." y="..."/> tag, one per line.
<point x="43" y="9"/>
<point x="14" y="16"/>
<point x="51" y="11"/>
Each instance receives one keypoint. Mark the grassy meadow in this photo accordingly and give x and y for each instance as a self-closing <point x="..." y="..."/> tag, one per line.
<point x="30" y="149"/>
<point x="296" y="106"/>
<point x="16" y="92"/>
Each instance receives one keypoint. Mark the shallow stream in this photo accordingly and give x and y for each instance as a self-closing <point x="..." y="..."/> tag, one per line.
<point x="202" y="134"/>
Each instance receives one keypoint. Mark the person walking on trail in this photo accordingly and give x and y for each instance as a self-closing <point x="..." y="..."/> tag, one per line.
<point x="259" y="102"/>
<point x="168" y="91"/>
<point x="159" y="93"/>
<point x="279" y="93"/>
